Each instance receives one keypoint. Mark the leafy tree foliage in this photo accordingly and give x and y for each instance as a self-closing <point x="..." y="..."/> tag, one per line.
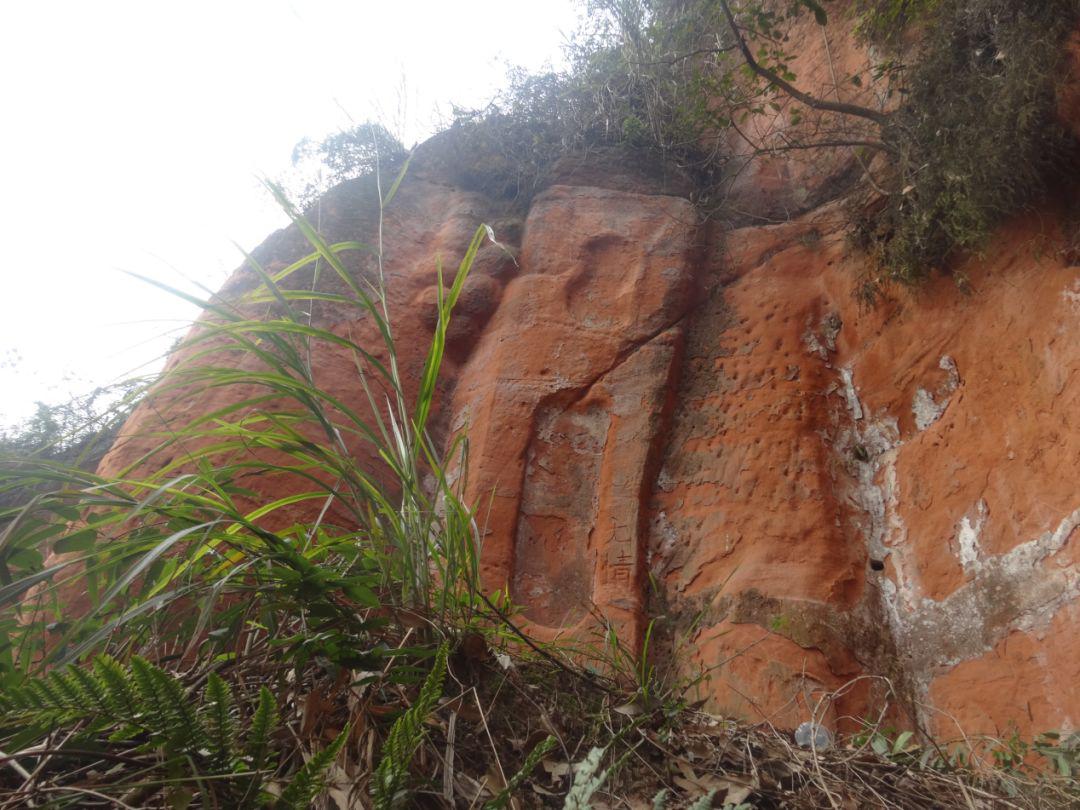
<point x="76" y="432"/>
<point x="977" y="138"/>
<point x="321" y="164"/>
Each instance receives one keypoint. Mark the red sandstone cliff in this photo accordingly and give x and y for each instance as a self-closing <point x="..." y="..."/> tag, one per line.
<point x="824" y="496"/>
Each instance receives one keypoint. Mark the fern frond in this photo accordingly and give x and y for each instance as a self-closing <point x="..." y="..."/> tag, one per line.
<point x="515" y="781"/>
<point x="190" y="732"/>
<point x="310" y="779"/>
<point x="706" y="802"/>
<point x="47" y="694"/>
<point x="588" y="778"/>
<point x="145" y="705"/>
<point x="153" y="710"/>
<point x="405" y="737"/>
<point x="68" y="694"/>
<point x="92" y="689"/>
<point x="218" y="720"/>
<point x="68" y="690"/>
<point x="264" y="719"/>
<point x="116" y="686"/>
<point x="167" y="712"/>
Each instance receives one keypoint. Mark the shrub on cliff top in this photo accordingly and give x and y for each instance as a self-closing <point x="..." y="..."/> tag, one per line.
<point x="636" y="78"/>
<point x="884" y="20"/>
<point x="77" y="432"/>
<point x="974" y="140"/>
<point x="321" y="164"/>
<point x="977" y="138"/>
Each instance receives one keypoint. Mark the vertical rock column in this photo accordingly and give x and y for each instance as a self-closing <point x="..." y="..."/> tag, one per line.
<point x="564" y="399"/>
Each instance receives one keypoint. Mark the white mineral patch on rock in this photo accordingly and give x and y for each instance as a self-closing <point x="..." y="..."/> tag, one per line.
<point x="1072" y="294"/>
<point x="928" y="407"/>
<point x="967" y="537"/>
<point x="850" y="394"/>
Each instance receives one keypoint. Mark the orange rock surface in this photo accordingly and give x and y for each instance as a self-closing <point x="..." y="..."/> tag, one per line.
<point x="823" y="508"/>
<point x="933" y="437"/>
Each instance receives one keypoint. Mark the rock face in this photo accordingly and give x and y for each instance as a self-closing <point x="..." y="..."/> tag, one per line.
<point x="891" y="492"/>
<point x="565" y="400"/>
<point x="822" y="507"/>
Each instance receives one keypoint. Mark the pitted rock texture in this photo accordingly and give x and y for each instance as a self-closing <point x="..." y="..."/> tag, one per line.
<point x="806" y="490"/>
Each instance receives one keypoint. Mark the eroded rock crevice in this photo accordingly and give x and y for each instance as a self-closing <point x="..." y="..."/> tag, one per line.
<point x="580" y="534"/>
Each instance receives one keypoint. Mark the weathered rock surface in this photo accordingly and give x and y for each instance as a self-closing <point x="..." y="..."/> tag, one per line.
<point x="933" y="438"/>
<point x="564" y="399"/>
<point x="822" y="506"/>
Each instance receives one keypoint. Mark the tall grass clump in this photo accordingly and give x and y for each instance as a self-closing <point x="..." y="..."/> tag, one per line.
<point x="178" y="558"/>
<point x="192" y="642"/>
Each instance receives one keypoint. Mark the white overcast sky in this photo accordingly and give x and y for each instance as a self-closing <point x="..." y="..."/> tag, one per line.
<point x="132" y="134"/>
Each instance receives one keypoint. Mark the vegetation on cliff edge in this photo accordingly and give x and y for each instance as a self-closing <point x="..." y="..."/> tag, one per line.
<point x="960" y="132"/>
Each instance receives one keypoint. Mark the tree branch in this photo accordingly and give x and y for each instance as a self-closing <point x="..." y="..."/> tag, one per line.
<point x="834" y="144"/>
<point x="879" y="118"/>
